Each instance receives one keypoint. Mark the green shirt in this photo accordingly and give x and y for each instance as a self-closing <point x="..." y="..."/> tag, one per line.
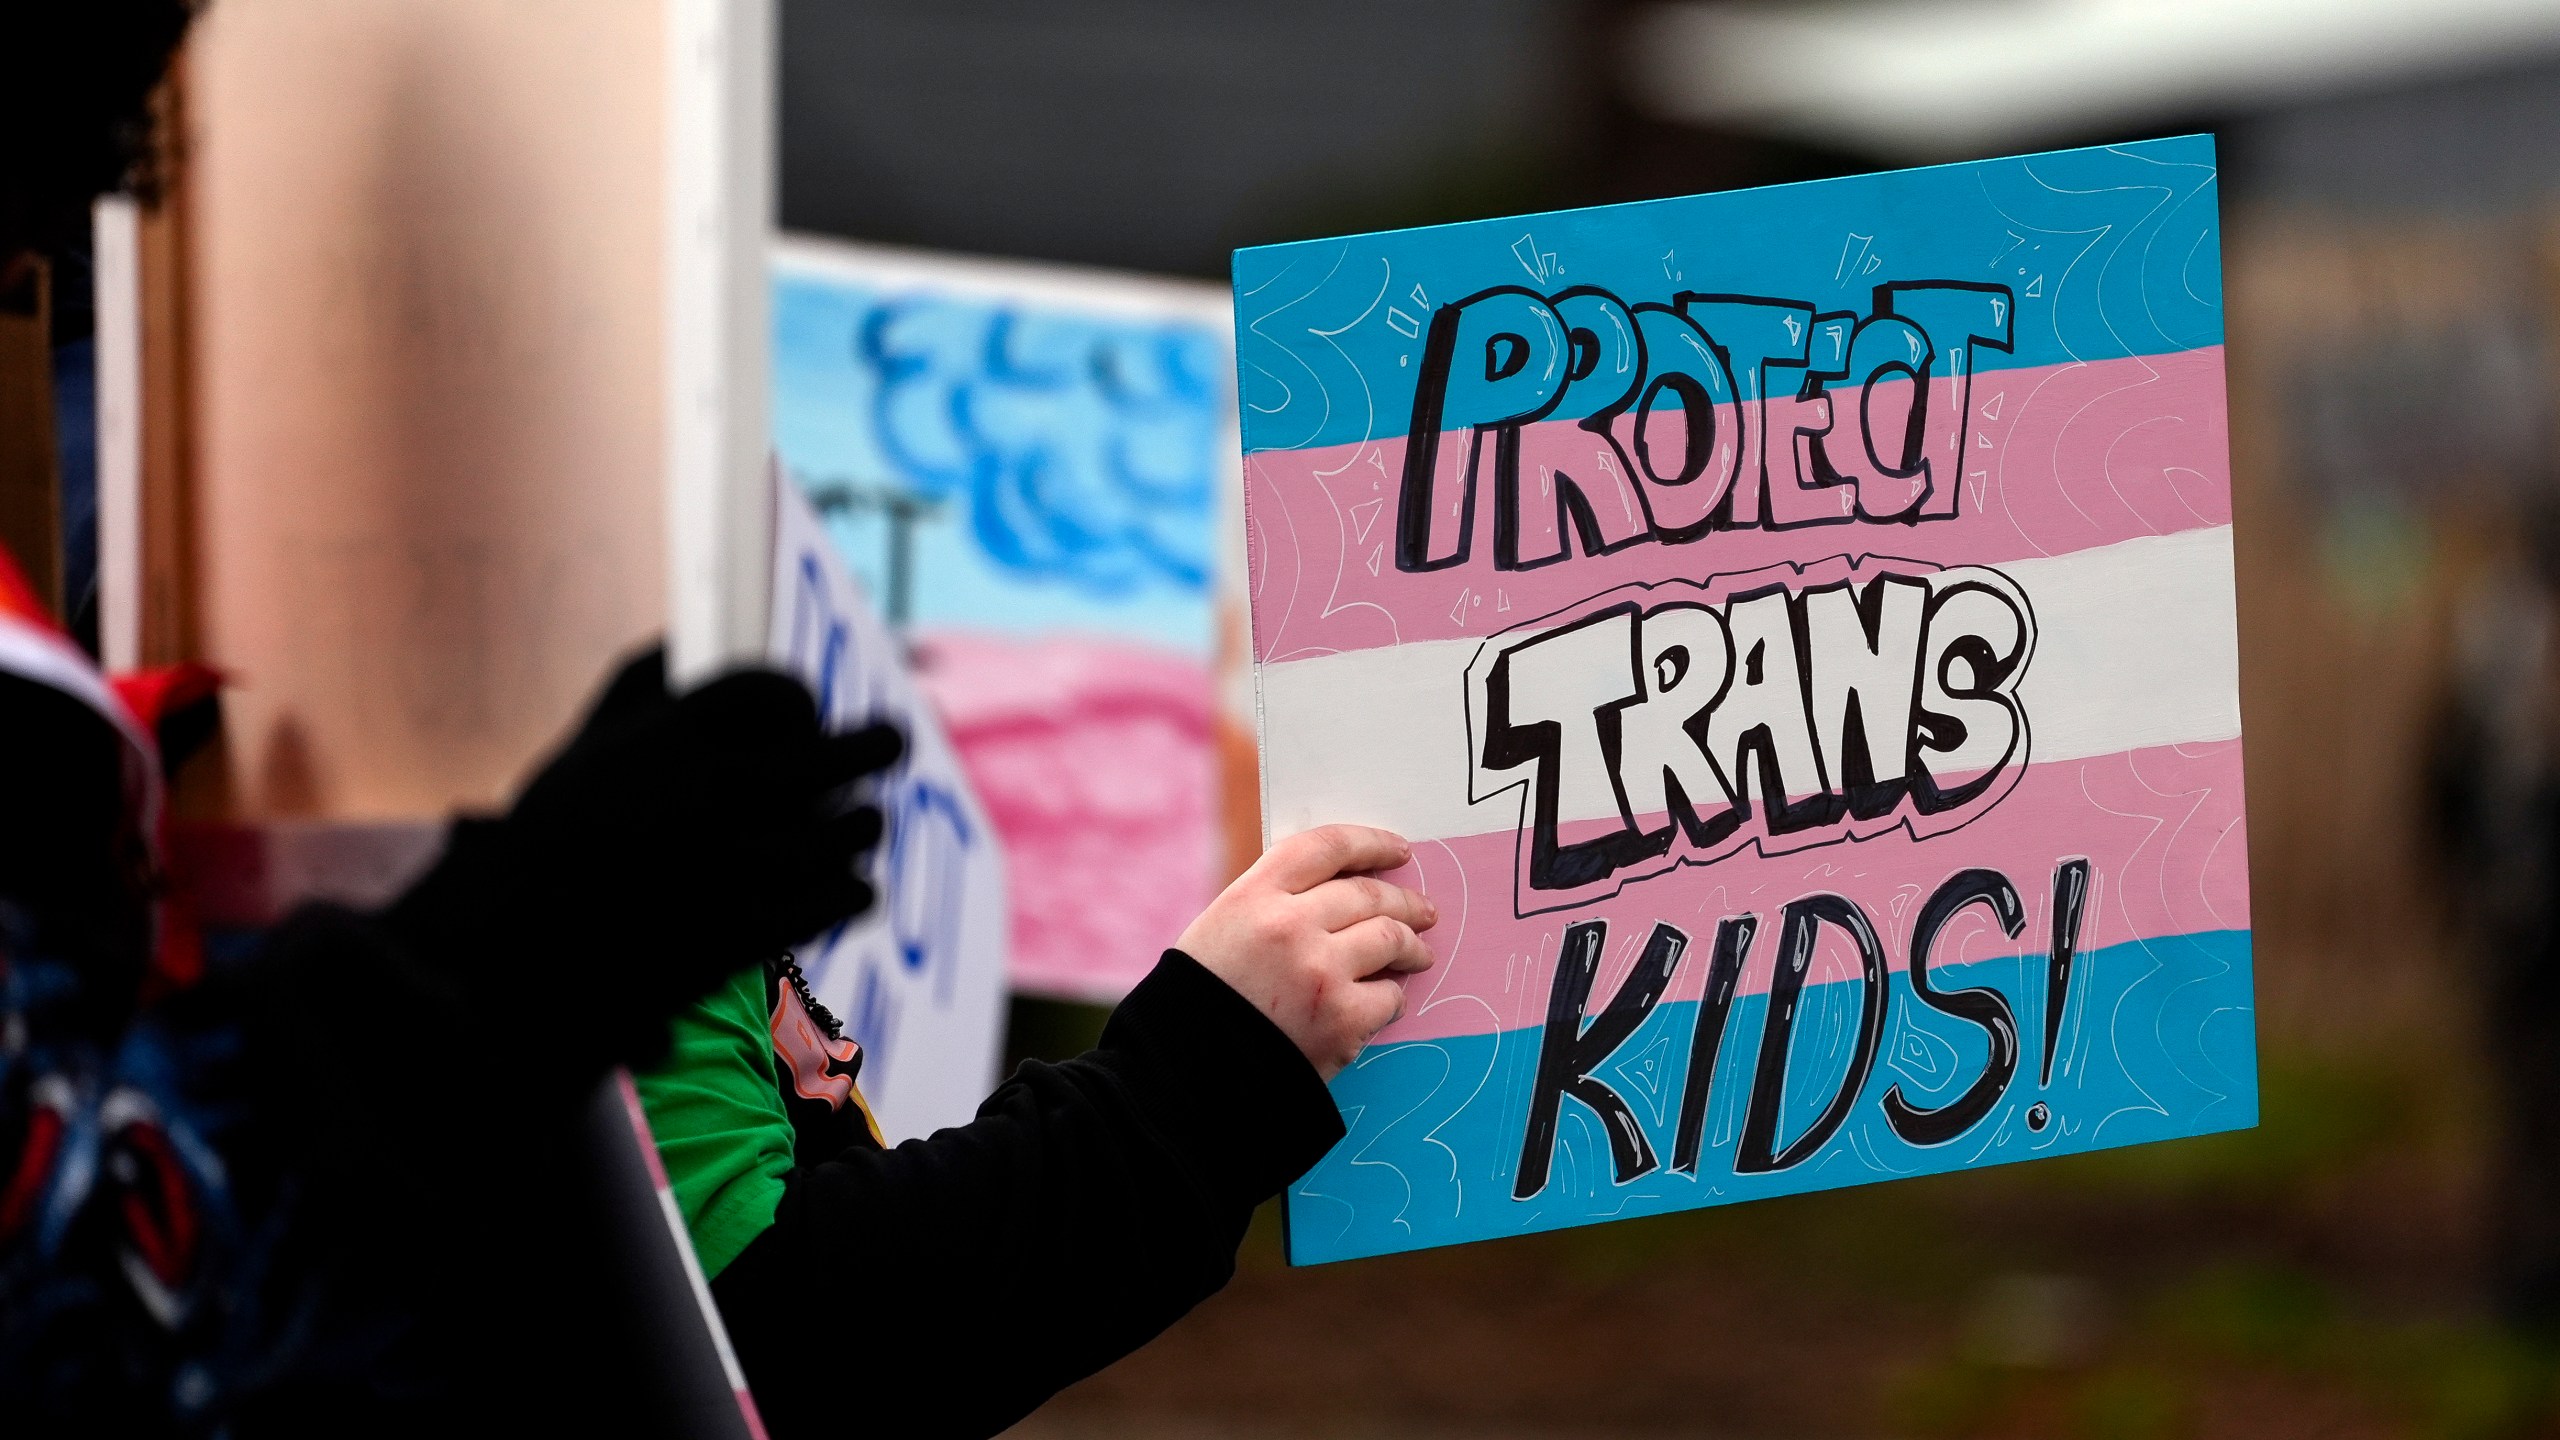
<point x="722" y="1131"/>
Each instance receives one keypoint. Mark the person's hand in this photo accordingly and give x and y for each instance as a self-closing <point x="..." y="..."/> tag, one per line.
<point x="1316" y="941"/>
<point x="717" y="821"/>
<point x="671" y="842"/>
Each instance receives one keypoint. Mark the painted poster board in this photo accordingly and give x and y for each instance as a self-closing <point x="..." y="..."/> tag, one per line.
<point x="1034" y="468"/>
<point x="919" y="979"/>
<point x="1795" y="627"/>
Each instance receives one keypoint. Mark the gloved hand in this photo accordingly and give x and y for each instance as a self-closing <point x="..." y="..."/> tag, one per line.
<point x="671" y="842"/>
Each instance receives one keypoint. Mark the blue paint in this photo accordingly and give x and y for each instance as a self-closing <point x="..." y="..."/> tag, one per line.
<point x="2110" y="252"/>
<point x="2159" y="1040"/>
<point x="1074" y="459"/>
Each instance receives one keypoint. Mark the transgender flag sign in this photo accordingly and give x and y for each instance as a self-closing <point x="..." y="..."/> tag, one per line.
<point x="1795" y="629"/>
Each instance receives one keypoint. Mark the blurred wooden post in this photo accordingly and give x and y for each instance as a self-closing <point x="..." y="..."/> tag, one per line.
<point x="165" y="582"/>
<point x="30" y="478"/>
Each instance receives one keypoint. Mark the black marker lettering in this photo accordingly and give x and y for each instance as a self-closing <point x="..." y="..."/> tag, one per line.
<point x="2070" y="895"/>
<point x="1706" y="1041"/>
<point x="1799" y="927"/>
<point x="1568" y="1051"/>
<point x="1593" y="421"/>
<point x="1985" y="1007"/>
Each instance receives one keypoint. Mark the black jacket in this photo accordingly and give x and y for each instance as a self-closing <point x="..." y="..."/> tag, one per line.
<point x="950" y="1285"/>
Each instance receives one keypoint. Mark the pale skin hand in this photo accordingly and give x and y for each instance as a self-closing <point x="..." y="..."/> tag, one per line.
<point x="1316" y="941"/>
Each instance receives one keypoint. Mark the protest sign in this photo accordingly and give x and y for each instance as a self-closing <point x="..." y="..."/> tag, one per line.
<point x="918" y="980"/>
<point x="1795" y="627"/>
<point x="1029" y="464"/>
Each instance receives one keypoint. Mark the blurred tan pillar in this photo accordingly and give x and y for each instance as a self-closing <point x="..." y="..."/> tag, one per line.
<point x="426" y="317"/>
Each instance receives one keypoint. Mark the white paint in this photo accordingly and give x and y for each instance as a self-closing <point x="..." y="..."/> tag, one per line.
<point x="116" y="279"/>
<point x="919" y="979"/>
<point x="719" y="221"/>
<point x="1926" y="78"/>
<point x="2134" y="644"/>
<point x="1149" y="298"/>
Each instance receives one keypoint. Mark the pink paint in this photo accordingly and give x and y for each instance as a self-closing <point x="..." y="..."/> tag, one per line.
<point x="2162" y="827"/>
<point x="1095" y="760"/>
<point x="2061" y="458"/>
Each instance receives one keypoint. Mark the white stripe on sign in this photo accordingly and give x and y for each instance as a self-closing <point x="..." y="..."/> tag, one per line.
<point x="2135" y="647"/>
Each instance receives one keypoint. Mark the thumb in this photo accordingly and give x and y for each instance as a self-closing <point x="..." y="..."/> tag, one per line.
<point x="638" y="689"/>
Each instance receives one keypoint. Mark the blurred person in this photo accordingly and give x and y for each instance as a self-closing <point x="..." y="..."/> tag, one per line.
<point x="348" y="1184"/>
<point x="340" y="1187"/>
<point x="2493" y="779"/>
<point x="343" y="1186"/>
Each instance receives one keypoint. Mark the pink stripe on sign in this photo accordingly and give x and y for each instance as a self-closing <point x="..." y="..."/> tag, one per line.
<point x="2162" y="828"/>
<point x="2061" y="458"/>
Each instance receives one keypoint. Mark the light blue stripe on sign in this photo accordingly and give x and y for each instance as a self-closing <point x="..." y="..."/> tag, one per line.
<point x="2158" y="1041"/>
<point x="2110" y="252"/>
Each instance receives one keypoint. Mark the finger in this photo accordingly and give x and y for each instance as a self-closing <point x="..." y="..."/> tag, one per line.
<point x="751" y="708"/>
<point x="1346" y="901"/>
<point x="1311" y="857"/>
<point x="856" y="753"/>
<point x="813" y="854"/>
<point x="1373" y="1005"/>
<point x="639" y="687"/>
<point x="808" y="916"/>
<point x="1380" y="945"/>
<point x="806" y="893"/>
<point x="855" y="831"/>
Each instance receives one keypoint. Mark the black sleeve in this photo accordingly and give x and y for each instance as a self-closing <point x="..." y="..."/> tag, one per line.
<point x="418" y="1132"/>
<point x="480" y="941"/>
<point x="412" y="1085"/>
<point x="952" y="1284"/>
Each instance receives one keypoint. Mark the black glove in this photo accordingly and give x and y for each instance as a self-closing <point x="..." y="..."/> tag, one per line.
<point x="671" y="842"/>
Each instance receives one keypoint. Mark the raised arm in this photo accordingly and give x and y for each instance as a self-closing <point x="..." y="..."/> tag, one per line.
<point x="950" y="1285"/>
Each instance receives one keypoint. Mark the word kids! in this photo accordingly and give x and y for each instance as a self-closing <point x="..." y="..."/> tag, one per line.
<point x="1574" y="1050"/>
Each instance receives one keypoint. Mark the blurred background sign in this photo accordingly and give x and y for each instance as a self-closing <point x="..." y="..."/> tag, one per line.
<point x="1034" y="467"/>
<point x="919" y="979"/>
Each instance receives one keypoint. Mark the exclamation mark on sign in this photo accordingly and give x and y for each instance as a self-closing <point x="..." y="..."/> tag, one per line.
<point x="2070" y="899"/>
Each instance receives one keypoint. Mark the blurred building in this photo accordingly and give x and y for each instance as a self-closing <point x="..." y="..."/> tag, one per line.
<point x="1159" y="134"/>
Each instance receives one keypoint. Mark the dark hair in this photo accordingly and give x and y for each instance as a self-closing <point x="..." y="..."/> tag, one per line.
<point x="76" y="80"/>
